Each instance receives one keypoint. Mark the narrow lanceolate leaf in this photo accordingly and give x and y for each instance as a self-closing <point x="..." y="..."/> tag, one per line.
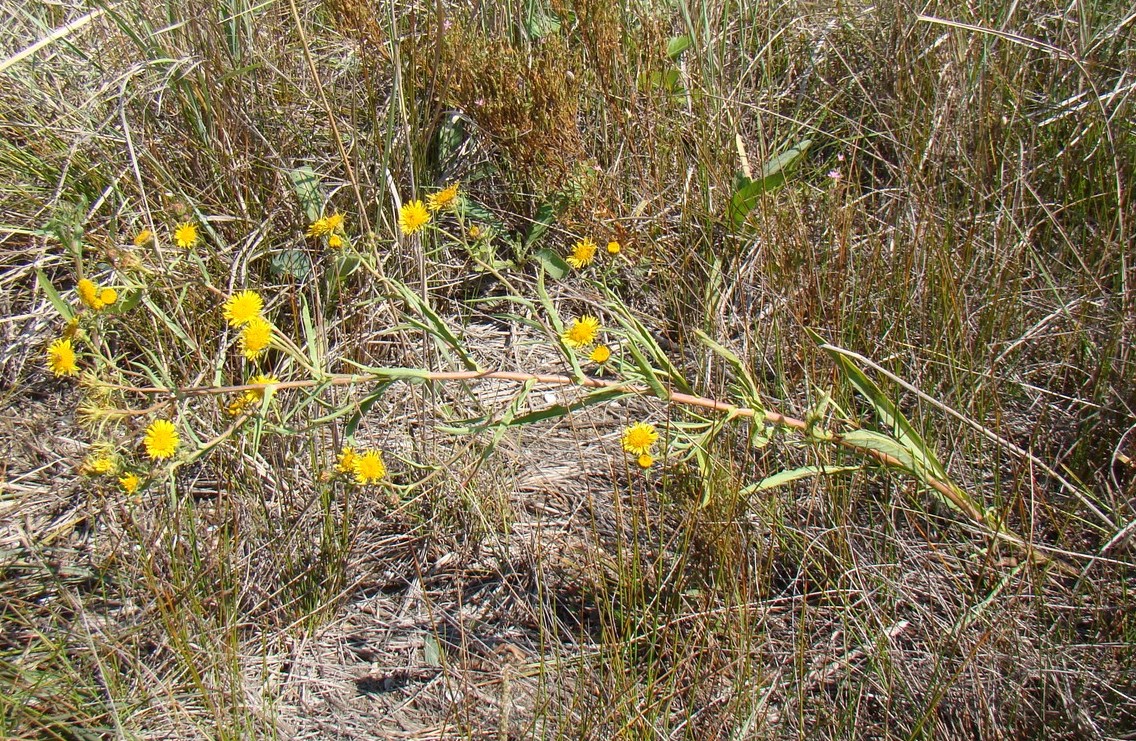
<point x="53" y="296"/>
<point x="889" y="415"/>
<point x="796" y="474"/>
<point x="748" y="384"/>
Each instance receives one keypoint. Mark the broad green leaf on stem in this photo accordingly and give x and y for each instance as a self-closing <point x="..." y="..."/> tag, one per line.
<point x="552" y="262"/>
<point x="557" y="325"/>
<point x="772" y="176"/>
<point x="648" y="372"/>
<point x="545" y="215"/>
<point x="639" y="335"/>
<point x="291" y="264"/>
<point x="787" y="477"/>
<point x="676" y="45"/>
<point x="313" y="342"/>
<point x="53" y="296"/>
<point x="539" y="21"/>
<point x="306" y="185"/>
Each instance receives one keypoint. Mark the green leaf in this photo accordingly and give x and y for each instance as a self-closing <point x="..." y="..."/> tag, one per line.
<point x="545" y="215"/>
<point x="749" y="385"/>
<point x="559" y="410"/>
<point x="676" y="45"/>
<point x="796" y="474"/>
<point x="306" y="184"/>
<point x="291" y="263"/>
<point x="747" y="192"/>
<point x="552" y="262"/>
<point x="891" y="419"/>
<point x="364" y="407"/>
<point x="540" y="22"/>
<point x="53" y="296"/>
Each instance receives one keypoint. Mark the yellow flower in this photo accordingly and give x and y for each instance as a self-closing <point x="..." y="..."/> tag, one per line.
<point x="412" y="217"/>
<point x="474" y="231"/>
<point x="89" y="293"/>
<point x="130" y="483"/>
<point x="161" y="439"/>
<point x="108" y="296"/>
<point x="252" y="396"/>
<point x="335" y="241"/>
<point x="601" y="354"/>
<point x="443" y="198"/>
<point x="639" y="437"/>
<point x="645" y="461"/>
<point x="100" y="465"/>
<point x="613" y="247"/>
<point x="143" y="237"/>
<point x="255" y="337"/>
<point x="185" y="235"/>
<point x="369" y="467"/>
<point x="346" y="459"/>
<point x="318" y="228"/>
<point x="243" y="308"/>
<point x="582" y="332"/>
<point x="582" y="254"/>
<point x="333" y="222"/>
<point x="61" y="358"/>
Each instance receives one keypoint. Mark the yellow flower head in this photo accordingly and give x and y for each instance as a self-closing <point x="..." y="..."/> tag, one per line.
<point x="243" y="308"/>
<point x="325" y="225"/>
<point x="318" y="228"/>
<point x="89" y="294"/>
<point x="143" y="237"/>
<point x="335" y="241"/>
<point x="645" y="461"/>
<point x="99" y="464"/>
<point x="130" y="483"/>
<point x="61" y="358"/>
<point x="161" y="439"/>
<point x="582" y="332"/>
<point x="251" y="397"/>
<point x="185" y="236"/>
<point x="345" y="462"/>
<point x="443" y="198"/>
<point x="638" y="438"/>
<point x="255" y="338"/>
<point x="474" y="231"/>
<point x="601" y="354"/>
<point x="369" y="467"/>
<point x="108" y="296"/>
<point x="412" y="217"/>
<point x="613" y="247"/>
<point x="582" y="254"/>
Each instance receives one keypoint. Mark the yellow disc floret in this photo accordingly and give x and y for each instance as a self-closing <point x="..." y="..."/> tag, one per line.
<point x="243" y="308"/>
<point x="161" y="439"/>
<point x="582" y="332"/>
<point x="583" y="253"/>
<point x="442" y="199"/>
<point x="412" y="217"/>
<point x="185" y="236"/>
<point x="61" y="358"/>
<point x="255" y="338"/>
<point x="639" y="438"/>
<point x="369" y="467"/>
